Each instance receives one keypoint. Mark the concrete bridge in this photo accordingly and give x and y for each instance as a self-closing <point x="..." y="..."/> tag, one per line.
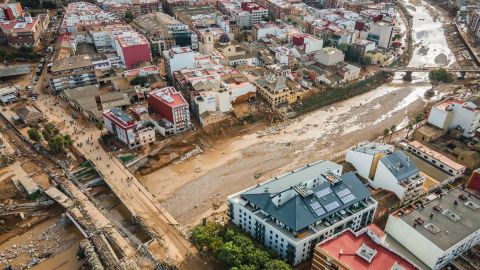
<point x="427" y="69"/>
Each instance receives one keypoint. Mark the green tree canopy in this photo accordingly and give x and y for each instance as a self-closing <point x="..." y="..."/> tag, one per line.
<point x="34" y="135"/>
<point x="129" y="16"/>
<point x="49" y="130"/>
<point x="139" y="80"/>
<point x="277" y="265"/>
<point x="440" y="75"/>
<point x="59" y="142"/>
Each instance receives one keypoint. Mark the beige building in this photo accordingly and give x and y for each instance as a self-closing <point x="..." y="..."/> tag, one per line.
<point x="72" y="72"/>
<point x="274" y="89"/>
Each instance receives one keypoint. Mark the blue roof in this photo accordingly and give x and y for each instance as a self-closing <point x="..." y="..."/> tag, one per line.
<point x="400" y="165"/>
<point x="299" y="211"/>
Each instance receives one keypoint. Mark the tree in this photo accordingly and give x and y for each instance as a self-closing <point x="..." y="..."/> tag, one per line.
<point x="34" y="135"/>
<point x="385" y="133"/>
<point x="409" y="128"/>
<point x="327" y="42"/>
<point x="139" y="80"/>
<point x="277" y="265"/>
<point x="49" y="130"/>
<point x="393" y="128"/>
<point x="343" y="47"/>
<point x="230" y="254"/>
<point x="418" y="119"/>
<point x="59" y="142"/>
<point x="440" y="75"/>
<point x="129" y="16"/>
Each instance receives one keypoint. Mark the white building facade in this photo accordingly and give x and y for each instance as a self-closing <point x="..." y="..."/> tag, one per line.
<point x="444" y="227"/>
<point x="291" y="213"/>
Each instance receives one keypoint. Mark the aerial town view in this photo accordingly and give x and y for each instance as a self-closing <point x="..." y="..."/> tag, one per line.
<point x="240" y="134"/>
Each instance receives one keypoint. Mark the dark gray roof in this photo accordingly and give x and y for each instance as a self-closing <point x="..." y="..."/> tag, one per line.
<point x="14" y="70"/>
<point x="399" y="165"/>
<point x="121" y="114"/>
<point x="299" y="211"/>
<point x="452" y="231"/>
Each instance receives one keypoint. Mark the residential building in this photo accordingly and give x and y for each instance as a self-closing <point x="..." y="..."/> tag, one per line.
<point x="133" y="48"/>
<point x="381" y="33"/>
<point x="137" y="7"/>
<point x="257" y="12"/>
<point x="10" y="11"/>
<point x="347" y="71"/>
<point x="383" y="168"/>
<point x="198" y="15"/>
<point x="433" y="157"/>
<point x="163" y="31"/>
<point x="439" y="229"/>
<point x="279" y="9"/>
<point x="473" y="22"/>
<point x="330" y="56"/>
<point x="170" y="111"/>
<point x="178" y="58"/>
<point x="363" y="250"/>
<point x="71" y="72"/>
<point x="126" y="129"/>
<point x="81" y="15"/>
<point x="456" y="114"/>
<point x="291" y="213"/>
<point x="274" y="89"/>
<point x="24" y="31"/>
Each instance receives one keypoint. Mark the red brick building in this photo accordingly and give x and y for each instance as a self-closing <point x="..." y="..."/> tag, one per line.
<point x="170" y="107"/>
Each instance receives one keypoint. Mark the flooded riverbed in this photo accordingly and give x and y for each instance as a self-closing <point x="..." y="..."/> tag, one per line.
<point x="190" y="189"/>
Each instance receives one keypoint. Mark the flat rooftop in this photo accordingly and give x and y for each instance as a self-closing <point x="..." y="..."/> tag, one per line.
<point x="452" y="222"/>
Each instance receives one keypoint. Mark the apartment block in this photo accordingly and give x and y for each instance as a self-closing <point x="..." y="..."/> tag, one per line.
<point x="293" y="212"/>
<point x="453" y="114"/>
<point x="387" y="169"/>
<point x="169" y="110"/>
<point x="363" y="250"/>
<point x="440" y="228"/>
<point x="163" y="32"/>
<point x="178" y="58"/>
<point x="72" y="72"/>
<point x="126" y="129"/>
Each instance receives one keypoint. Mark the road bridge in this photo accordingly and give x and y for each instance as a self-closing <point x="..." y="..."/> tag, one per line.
<point x="427" y="69"/>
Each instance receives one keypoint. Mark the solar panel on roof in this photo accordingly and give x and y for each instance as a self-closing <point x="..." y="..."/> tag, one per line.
<point x="348" y="198"/>
<point x="323" y="192"/>
<point x="344" y="192"/>
<point x="319" y="211"/>
<point x="315" y="205"/>
<point x="332" y="206"/>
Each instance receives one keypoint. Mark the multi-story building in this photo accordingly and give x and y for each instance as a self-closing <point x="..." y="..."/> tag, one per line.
<point x="170" y="110"/>
<point x="163" y="31"/>
<point x="389" y="170"/>
<point x="178" y="58"/>
<point x="132" y="48"/>
<point x="137" y="7"/>
<point x="257" y="12"/>
<point x="277" y="8"/>
<point x="10" y="11"/>
<point x="363" y="250"/>
<point x="71" y="72"/>
<point x="126" y="129"/>
<point x="24" y="31"/>
<point x="433" y="157"/>
<point x="330" y="56"/>
<point x="293" y="212"/>
<point x="439" y="229"/>
<point x="81" y="15"/>
<point x="197" y="15"/>
<point x="381" y="33"/>
<point x="473" y="22"/>
<point x="275" y="90"/>
<point x="453" y="114"/>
